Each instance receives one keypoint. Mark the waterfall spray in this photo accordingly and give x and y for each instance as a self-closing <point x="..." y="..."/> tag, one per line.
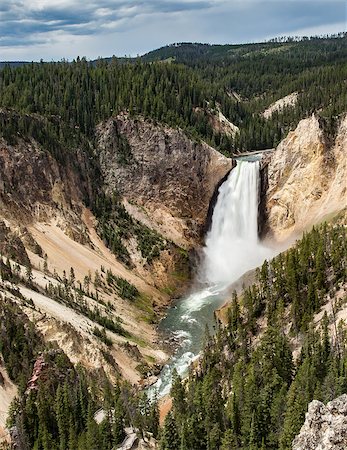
<point x="232" y="244"/>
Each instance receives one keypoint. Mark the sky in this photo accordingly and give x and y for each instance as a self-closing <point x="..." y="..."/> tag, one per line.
<point x="57" y="29"/>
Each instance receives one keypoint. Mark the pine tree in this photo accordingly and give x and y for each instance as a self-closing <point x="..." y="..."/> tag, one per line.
<point x="170" y="439"/>
<point x="92" y="436"/>
<point x="61" y="418"/>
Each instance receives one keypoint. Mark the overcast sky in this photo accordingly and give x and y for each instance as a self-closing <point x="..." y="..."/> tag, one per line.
<point x="56" y="29"/>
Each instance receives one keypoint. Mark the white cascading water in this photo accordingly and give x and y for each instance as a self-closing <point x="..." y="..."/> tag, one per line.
<point x="232" y="245"/>
<point x="232" y="248"/>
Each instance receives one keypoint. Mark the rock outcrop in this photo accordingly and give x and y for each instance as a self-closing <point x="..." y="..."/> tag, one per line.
<point x="34" y="186"/>
<point x="161" y="173"/>
<point x="325" y="427"/>
<point x="306" y="178"/>
<point x="220" y="123"/>
<point x="284" y="102"/>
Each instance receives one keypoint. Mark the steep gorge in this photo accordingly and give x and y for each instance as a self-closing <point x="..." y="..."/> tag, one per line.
<point x="112" y="193"/>
<point x="166" y="183"/>
<point x="47" y="222"/>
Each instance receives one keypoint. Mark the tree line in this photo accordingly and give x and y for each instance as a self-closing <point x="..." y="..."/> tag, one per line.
<point x="56" y="401"/>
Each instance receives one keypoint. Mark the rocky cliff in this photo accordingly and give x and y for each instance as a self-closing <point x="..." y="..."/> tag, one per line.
<point x="325" y="427"/>
<point x="37" y="187"/>
<point x="39" y="175"/>
<point x="306" y="177"/>
<point x="166" y="178"/>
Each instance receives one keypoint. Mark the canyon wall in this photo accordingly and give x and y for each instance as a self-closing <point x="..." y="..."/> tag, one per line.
<point x="165" y="181"/>
<point x="167" y="177"/>
<point x="306" y="178"/>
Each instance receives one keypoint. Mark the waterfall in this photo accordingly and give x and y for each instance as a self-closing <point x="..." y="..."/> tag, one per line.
<point x="232" y="248"/>
<point x="232" y="244"/>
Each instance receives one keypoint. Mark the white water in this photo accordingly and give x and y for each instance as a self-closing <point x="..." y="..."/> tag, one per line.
<point x="232" y="248"/>
<point x="232" y="244"/>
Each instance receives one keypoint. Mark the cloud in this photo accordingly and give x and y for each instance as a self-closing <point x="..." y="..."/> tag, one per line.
<point x="23" y="18"/>
<point x="53" y="29"/>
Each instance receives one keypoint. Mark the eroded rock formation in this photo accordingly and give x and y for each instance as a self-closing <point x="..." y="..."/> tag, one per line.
<point x="306" y="178"/>
<point x="34" y="185"/>
<point x="325" y="427"/>
<point x="162" y="173"/>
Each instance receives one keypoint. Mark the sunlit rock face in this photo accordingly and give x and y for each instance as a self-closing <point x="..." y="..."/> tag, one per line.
<point x="306" y="177"/>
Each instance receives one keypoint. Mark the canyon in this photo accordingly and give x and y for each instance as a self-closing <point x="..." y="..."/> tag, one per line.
<point x="167" y="183"/>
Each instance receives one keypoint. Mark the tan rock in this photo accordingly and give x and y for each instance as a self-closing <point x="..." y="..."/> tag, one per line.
<point x="170" y="177"/>
<point x="306" y="178"/>
<point x="284" y="102"/>
<point x="8" y="391"/>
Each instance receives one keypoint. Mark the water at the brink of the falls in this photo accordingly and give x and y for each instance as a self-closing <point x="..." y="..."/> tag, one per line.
<point x="232" y="248"/>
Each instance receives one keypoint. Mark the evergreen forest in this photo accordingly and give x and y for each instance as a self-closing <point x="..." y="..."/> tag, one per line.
<point x="248" y="391"/>
<point x="183" y="85"/>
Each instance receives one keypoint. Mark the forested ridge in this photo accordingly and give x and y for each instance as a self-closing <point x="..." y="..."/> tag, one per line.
<point x="248" y="392"/>
<point x="183" y="85"/>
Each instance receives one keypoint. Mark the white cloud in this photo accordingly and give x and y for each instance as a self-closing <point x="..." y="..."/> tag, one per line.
<point x="53" y="29"/>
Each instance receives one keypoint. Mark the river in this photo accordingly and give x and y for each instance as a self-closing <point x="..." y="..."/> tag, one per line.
<point x="232" y="248"/>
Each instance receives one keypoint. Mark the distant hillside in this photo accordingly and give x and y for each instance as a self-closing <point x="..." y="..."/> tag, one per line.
<point x="199" y="86"/>
<point x="190" y="53"/>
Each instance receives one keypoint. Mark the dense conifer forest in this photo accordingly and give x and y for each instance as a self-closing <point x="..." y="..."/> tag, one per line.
<point x="183" y="85"/>
<point x="56" y="401"/>
<point x="248" y="392"/>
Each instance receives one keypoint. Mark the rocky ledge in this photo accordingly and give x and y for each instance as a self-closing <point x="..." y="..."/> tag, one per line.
<point x="325" y="427"/>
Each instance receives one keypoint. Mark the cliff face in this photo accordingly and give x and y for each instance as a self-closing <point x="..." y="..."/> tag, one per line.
<point x="325" y="427"/>
<point x="33" y="185"/>
<point x="165" y="176"/>
<point x="306" y="178"/>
